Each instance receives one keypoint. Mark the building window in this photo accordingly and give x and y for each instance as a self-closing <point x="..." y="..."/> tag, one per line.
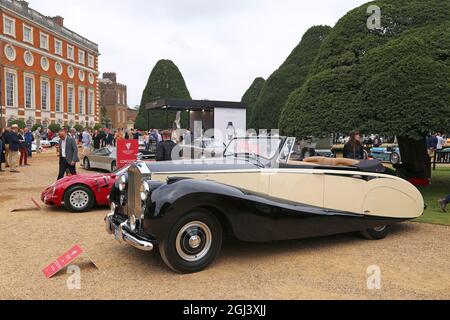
<point x="27" y="34"/>
<point x="45" y="94"/>
<point x="58" y="68"/>
<point x="81" y="75"/>
<point x="91" y="102"/>
<point x="81" y="56"/>
<point x="10" y="52"/>
<point x="123" y="99"/>
<point x="70" y="52"/>
<point x="118" y="97"/>
<point x="44" y="41"/>
<point x="70" y="99"/>
<point x="90" y="61"/>
<point x="58" y="96"/>
<point x="11" y="88"/>
<point x="58" y="47"/>
<point x="28" y="58"/>
<point x="29" y="92"/>
<point x="9" y="26"/>
<point x="70" y="72"/>
<point x="45" y="64"/>
<point x="81" y="101"/>
<point x="91" y="78"/>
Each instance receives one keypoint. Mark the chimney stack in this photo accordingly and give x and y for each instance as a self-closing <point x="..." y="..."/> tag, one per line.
<point x="58" y="20"/>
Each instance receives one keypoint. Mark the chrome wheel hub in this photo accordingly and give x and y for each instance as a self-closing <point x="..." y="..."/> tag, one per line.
<point x="193" y="241"/>
<point x="79" y="199"/>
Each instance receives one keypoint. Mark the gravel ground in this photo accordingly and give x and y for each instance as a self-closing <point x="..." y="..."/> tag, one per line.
<point x="414" y="259"/>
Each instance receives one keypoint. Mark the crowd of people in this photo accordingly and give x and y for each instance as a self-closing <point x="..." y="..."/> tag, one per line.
<point x="16" y="144"/>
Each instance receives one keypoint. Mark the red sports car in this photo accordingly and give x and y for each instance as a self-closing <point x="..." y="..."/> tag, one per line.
<point x="80" y="193"/>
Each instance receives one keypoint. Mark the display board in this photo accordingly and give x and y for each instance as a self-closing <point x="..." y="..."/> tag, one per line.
<point x="229" y="123"/>
<point x="127" y="151"/>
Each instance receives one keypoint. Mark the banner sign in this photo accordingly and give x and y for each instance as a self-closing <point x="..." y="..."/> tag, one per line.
<point x="127" y="151"/>
<point x="62" y="261"/>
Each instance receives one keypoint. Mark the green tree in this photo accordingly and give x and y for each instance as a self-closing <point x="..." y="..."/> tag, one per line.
<point x="391" y="81"/>
<point x="289" y="76"/>
<point x="165" y="82"/>
<point x="20" y="123"/>
<point x="54" y="127"/>
<point x="251" y="95"/>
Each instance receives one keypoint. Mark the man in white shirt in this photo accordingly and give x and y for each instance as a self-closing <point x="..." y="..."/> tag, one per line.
<point x="440" y="141"/>
<point x="68" y="154"/>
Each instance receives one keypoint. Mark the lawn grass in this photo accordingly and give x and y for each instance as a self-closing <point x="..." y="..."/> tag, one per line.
<point x="440" y="186"/>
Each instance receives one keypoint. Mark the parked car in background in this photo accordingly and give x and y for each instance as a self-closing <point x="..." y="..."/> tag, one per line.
<point x="106" y="158"/>
<point x="46" y="144"/>
<point x="386" y="154"/>
<point x="80" y="193"/>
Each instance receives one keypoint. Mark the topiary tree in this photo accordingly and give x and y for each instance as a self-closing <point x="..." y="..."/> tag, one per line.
<point x="392" y="81"/>
<point x="291" y="75"/>
<point x="165" y="82"/>
<point x="251" y="95"/>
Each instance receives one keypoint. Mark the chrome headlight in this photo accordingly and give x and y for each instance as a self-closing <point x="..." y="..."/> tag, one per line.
<point x="145" y="190"/>
<point x="122" y="183"/>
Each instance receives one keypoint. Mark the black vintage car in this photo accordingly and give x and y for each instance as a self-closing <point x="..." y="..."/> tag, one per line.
<point x="254" y="193"/>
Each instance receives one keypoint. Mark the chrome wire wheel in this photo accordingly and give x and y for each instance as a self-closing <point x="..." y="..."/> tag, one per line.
<point x="193" y="241"/>
<point x="79" y="199"/>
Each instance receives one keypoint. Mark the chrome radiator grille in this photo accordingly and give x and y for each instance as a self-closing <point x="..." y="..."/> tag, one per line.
<point x="134" y="198"/>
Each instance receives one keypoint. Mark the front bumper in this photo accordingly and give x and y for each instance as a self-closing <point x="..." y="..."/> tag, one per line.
<point x="121" y="229"/>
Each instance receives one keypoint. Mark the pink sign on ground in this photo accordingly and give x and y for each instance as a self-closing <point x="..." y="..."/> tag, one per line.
<point x="62" y="261"/>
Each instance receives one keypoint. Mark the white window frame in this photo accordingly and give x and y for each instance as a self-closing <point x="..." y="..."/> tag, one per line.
<point x="48" y="107"/>
<point x="70" y="48"/>
<point x="13" y="21"/>
<point x="60" y="53"/>
<point x="82" y="107"/>
<point x="31" y="41"/>
<point x="61" y="97"/>
<point x="91" y="102"/>
<point x="91" y="61"/>
<point x="81" y="57"/>
<point x="15" y="94"/>
<point x="70" y="106"/>
<point x="41" y="34"/>
<point x="33" y="90"/>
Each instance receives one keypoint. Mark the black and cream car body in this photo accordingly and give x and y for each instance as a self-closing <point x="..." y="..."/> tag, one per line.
<point x="254" y="193"/>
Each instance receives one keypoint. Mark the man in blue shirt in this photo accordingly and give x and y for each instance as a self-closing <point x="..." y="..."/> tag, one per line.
<point x="28" y="140"/>
<point x="14" y="144"/>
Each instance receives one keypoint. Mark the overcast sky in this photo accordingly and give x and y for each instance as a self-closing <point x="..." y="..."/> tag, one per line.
<point x="220" y="46"/>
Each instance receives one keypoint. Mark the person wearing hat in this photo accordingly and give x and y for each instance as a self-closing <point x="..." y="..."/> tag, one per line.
<point x="14" y="144"/>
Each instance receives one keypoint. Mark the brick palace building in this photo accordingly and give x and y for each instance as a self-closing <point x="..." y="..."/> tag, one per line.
<point x="113" y="97"/>
<point x="48" y="73"/>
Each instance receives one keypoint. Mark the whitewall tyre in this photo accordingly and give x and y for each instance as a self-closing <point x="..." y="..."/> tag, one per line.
<point x="193" y="243"/>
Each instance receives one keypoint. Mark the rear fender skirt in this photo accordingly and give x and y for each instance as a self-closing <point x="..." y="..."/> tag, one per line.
<point x="252" y="217"/>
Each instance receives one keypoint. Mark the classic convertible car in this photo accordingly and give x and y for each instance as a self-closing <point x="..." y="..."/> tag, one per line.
<point x="254" y="193"/>
<point x="80" y="193"/>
